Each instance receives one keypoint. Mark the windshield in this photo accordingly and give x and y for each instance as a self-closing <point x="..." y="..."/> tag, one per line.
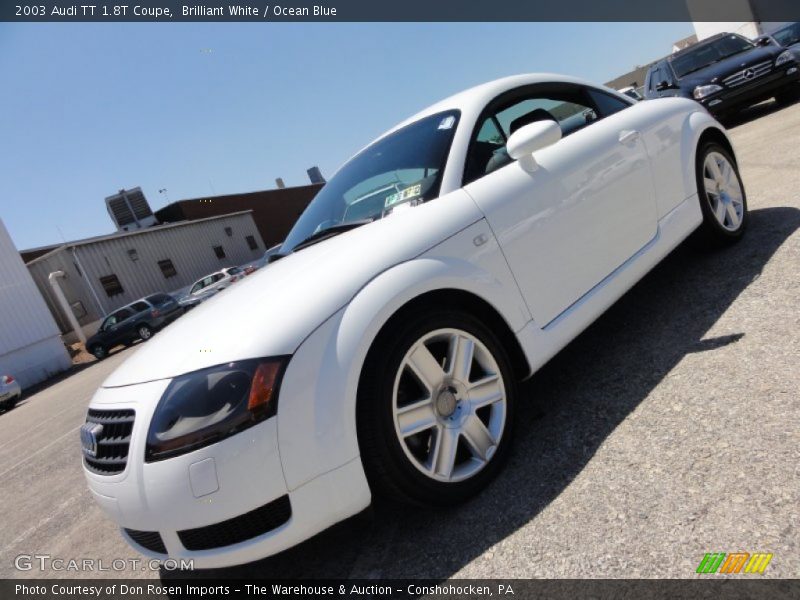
<point x="403" y="168"/>
<point x="788" y="35"/>
<point x="706" y="54"/>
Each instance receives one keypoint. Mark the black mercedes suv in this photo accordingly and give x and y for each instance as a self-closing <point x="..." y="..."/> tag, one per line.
<point x="726" y="73"/>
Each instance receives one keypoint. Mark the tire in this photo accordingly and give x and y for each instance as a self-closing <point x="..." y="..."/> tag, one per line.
<point x="99" y="352"/>
<point x="788" y="98"/>
<point x="406" y="459"/>
<point x="723" y="200"/>
<point x="145" y="332"/>
<point x="10" y="403"/>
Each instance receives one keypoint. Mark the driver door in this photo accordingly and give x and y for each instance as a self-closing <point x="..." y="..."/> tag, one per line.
<point x="588" y="207"/>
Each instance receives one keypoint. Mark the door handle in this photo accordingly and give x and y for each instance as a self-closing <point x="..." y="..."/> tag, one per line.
<point x="628" y="135"/>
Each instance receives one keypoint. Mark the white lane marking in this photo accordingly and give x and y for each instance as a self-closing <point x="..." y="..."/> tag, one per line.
<point x="40" y="450"/>
<point x="31" y="530"/>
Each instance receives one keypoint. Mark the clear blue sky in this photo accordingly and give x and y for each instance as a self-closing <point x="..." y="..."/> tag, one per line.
<point x="198" y="109"/>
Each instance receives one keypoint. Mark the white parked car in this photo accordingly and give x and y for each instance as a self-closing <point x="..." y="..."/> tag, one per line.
<point x="631" y="92"/>
<point x="207" y="286"/>
<point x="10" y="392"/>
<point x="442" y="264"/>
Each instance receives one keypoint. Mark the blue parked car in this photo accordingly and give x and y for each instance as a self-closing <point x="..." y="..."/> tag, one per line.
<point x="137" y="320"/>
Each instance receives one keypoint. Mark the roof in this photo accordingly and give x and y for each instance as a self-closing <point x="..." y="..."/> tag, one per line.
<point x="125" y="234"/>
<point x="473" y="100"/>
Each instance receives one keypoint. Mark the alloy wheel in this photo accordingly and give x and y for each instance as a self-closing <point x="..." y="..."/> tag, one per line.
<point x="723" y="191"/>
<point x="449" y="405"/>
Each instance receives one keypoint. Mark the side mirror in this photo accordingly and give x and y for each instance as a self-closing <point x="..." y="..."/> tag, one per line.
<point x="763" y="41"/>
<point x="530" y="138"/>
<point x="663" y="85"/>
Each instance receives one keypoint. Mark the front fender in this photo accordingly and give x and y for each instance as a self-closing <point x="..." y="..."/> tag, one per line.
<point x="317" y="405"/>
<point x="695" y="126"/>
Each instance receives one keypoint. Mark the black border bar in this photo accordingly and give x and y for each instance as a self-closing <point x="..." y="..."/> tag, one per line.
<point x="713" y="587"/>
<point x="266" y="11"/>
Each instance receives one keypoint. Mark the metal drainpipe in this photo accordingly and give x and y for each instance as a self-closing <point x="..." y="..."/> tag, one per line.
<point x="62" y="300"/>
<point x="101" y="310"/>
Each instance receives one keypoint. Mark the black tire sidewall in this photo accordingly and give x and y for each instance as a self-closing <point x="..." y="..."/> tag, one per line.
<point x="711" y="228"/>
<point x="388" y="468"/>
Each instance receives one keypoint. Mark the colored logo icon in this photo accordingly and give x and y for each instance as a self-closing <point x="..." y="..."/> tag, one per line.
<point x="737" y="562"/>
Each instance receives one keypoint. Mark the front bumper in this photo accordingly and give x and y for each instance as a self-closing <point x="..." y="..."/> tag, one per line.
<point x="221" y="505"/>
<point x="758" y="90"/>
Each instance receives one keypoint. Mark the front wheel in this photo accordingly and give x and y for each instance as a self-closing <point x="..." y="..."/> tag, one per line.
<point x="788" y="97"/>
<point x="722" y="196"/>
<point x="99" y="352"/>
<point x="435" y="409"/>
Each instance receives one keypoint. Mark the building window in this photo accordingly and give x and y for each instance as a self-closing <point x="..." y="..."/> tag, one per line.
<point x="219" y="251"/>
<point x="133" y="254"/>
<point x="111" y="285"/>
<point x="229" y="232"/>
<point x="167" y="268"/>
<point x="78" y="310"/>
<point x="251" y="242"/>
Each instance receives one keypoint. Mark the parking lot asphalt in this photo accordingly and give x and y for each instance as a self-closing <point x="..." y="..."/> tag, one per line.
<point x="670" y="429"/>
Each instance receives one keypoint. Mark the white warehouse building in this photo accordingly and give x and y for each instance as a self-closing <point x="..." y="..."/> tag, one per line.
<point x="31" y="349"/>
<point x="93" y="277"/>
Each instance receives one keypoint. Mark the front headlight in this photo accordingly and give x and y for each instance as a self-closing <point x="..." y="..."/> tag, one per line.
<point x="206" y="406"/>
<point x="701" y="91"/>
<point x="783" y="58"/>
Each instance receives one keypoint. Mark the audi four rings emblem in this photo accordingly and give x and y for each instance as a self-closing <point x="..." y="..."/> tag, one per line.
<point x="89" y="434"/>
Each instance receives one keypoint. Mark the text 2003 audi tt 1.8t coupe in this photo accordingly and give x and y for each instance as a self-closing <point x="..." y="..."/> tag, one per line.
<point x="380" y="353"/>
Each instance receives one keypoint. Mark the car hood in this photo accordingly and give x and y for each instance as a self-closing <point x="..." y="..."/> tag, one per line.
<point x="733" y="64"/>
<point x="273" y="310"/>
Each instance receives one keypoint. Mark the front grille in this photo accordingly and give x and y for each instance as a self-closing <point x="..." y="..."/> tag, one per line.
<point x="239" y="529"/>
<point x="150" y="540"/>
<point x="740" y="78"/>
<point x="112" y="440"/>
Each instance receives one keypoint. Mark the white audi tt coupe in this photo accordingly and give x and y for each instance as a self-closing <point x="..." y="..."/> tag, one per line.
<point x="380" y="353"/>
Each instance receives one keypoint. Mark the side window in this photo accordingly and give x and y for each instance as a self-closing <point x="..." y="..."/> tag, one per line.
<point x="490" y="141"/>
<point x="122" y="314"/>
<point x="140" y="306"/>
<point x="607" y="104"/>
<point x="568" y="105"/>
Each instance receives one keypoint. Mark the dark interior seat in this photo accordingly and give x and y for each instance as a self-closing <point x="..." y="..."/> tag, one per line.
<point x="501" y="158"/>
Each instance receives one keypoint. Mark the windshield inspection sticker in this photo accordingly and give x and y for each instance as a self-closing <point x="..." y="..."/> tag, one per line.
<point x="406" y="194"/>
<point x="447" y="122"/>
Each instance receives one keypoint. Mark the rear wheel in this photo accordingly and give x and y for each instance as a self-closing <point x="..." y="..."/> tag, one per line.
<point x="99" y="352"/>
<point x="10" y="403"/>
<point x="722" y="197"/>
<point x="145" y="332"/>
<point x="435" y="409"/>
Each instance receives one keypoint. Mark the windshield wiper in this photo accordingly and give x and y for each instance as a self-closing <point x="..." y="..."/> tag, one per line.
<point x="322" y="234"/>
